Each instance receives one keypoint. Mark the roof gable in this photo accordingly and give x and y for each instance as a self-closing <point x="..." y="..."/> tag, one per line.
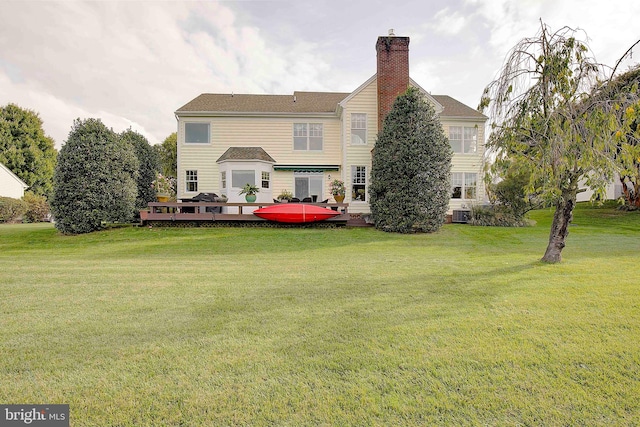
<point x="246" y="153"/>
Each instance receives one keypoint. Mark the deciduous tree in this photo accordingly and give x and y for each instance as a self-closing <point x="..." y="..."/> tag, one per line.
<point x="545" y="119"/>
<point x="410" y="175"/>
<point x="168" y="153"/>
<point x="148" y="166"/>
<point x="25" y="149"/>
<point x="620" y="95"/>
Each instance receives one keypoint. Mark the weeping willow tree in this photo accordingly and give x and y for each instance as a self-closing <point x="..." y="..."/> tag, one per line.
<point x="548" y="121"/>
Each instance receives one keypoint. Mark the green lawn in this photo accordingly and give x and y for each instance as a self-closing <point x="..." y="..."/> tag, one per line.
<point x="264" y="326"/>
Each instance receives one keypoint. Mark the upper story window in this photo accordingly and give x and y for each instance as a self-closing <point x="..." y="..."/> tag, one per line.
<point x="358" y="128"/>
<point x="196" y="133"/>
<point x="463" y="139"/>
<point x="307" y="136"/>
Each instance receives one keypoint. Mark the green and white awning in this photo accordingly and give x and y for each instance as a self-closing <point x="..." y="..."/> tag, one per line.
<point x="306" y="168"/>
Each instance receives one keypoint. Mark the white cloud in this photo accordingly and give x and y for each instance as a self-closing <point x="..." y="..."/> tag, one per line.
<point x="610" y="27"/>
<point x="447" y="22"/>
<point x="134" y="63"/>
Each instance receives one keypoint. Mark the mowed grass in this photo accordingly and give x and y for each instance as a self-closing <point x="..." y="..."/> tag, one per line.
<point x="294" y="327"/>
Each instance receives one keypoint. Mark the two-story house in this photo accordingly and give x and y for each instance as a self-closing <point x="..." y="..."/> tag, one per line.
<point x="301" y="142"/>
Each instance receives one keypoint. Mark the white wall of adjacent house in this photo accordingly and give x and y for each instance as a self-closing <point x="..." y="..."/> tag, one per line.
<point x="273" y="134"/>
<point x="612" y="192"/>
<point x="10" y="184"/>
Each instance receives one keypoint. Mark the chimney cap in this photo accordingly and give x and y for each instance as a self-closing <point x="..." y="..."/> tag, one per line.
<point x="391" y="33"/>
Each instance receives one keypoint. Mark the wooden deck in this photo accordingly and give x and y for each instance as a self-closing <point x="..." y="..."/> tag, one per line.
<point x="201" y="213"/>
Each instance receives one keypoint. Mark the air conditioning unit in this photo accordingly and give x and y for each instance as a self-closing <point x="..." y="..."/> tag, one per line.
<point x="461" y="216"/>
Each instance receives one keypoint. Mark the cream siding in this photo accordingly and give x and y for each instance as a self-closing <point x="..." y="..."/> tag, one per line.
<point x="273" y="134"/>
<point x="365" y="101"/>
<point x="473" y="163"/>
<point x="195" y="157"/>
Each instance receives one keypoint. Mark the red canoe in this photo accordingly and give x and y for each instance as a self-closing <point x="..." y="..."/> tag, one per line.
<point x="295" y="213"/>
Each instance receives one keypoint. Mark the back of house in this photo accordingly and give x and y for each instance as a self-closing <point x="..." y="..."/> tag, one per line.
<point x="303" y="141"/>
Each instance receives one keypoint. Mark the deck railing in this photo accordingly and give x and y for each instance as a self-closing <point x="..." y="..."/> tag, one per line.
<point x="219" y="211"/>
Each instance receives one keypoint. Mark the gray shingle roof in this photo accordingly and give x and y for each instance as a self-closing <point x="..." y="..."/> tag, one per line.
<point x="299" y="102"/>
<point x="246" y="153"/>
<point x="453" y="108"/>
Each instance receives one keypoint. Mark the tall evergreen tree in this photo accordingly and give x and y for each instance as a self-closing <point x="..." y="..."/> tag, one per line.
<point x="149" y="165"/>
<point x="95" y="179"/>
<point x="25" y="149"/>
<point x="410" y="175"/>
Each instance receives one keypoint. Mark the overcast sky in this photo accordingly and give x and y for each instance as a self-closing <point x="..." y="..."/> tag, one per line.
<point x="133" y="63"/>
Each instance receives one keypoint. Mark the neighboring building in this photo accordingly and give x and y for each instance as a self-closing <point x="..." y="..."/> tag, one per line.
<point x="613" y="191"/>
<point x="10" y="184"/>
<point x="301" y="142"/>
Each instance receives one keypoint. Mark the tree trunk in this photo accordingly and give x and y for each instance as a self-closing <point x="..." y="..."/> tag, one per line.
<point x="560" y="227"/>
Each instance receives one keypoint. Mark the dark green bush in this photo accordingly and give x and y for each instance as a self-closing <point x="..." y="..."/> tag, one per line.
<point x="496" y="216"/>
<point x="95" y="179"/>
<point x="11" y="209"/>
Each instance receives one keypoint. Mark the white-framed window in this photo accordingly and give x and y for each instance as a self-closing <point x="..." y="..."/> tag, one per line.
<point x="240" y="178"/>
<point x="223" y="179"/>
<point x="191" y="180"/>
<point x="196" y="133"/>
<point x="308" y="136"/>
<point x="358" y="128"/>
<point x="463" y="139"/>
<point x="358" y="183"/>
<point x="464" y="185"/>
<point x="266" y="179"/>
<point x="308" y="184"/>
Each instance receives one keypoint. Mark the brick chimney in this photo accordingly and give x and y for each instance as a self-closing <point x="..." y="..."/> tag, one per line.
<point x="392" y="72"/>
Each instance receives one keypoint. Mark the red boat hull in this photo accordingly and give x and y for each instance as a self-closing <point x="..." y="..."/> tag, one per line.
<point x="295" y="213"/>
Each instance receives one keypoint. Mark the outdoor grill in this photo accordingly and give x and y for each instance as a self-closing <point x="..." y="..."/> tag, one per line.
<point x="204" y="197"/>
